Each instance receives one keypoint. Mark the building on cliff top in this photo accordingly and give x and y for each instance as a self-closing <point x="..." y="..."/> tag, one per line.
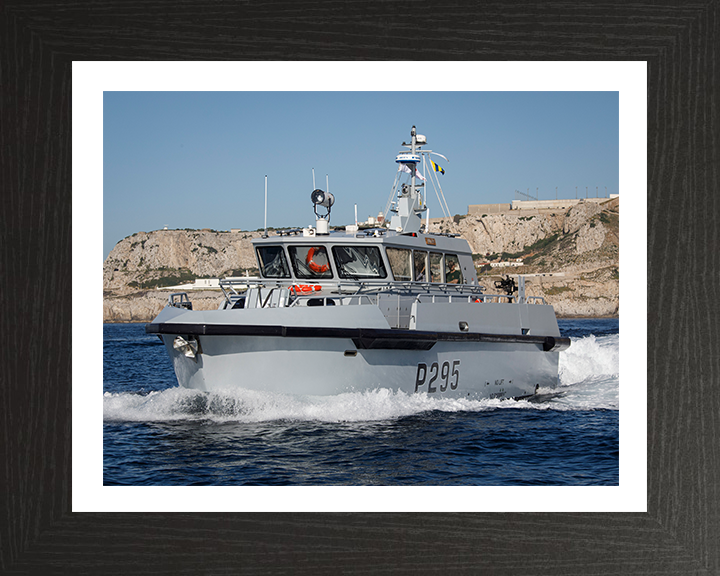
<point x="520" y="205"/>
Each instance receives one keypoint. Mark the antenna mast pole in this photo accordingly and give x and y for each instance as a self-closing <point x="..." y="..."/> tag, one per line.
<point x="265" y="206"/>
<point x="414" y="168"/>
<point x="423" y="197"/>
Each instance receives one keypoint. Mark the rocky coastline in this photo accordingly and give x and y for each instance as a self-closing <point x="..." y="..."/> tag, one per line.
<point x="570" y="258"/>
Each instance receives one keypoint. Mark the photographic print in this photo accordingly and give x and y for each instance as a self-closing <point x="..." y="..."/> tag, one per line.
<point x="260" y="331"/>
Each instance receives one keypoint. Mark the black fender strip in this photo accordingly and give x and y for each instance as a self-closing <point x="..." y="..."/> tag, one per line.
<point x="363" y="338"/>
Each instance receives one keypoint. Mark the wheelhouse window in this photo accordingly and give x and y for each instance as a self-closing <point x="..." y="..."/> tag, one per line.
<point x="359" y="262"/>
<point x="453" y="274"/>
<point x="272" y="262"/>
<point x="420" y="265"/>
<point x="310" y="262"/>
<point x="436" y="267"/>
<point x="400" y="259"/>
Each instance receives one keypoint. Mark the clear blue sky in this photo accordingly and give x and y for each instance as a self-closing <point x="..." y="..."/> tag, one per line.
<point x="199" y="159"/>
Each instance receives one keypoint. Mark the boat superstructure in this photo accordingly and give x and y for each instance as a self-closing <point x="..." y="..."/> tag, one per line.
<point x="357" y="310"/>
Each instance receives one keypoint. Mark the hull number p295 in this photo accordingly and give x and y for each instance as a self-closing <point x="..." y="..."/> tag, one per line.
<point x="438" y="376"/>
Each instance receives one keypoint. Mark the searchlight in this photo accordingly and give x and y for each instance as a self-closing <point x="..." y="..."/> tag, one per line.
<point x="323" y="199"/>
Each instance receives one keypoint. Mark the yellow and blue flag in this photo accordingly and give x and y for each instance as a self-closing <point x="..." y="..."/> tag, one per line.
<point x="437" y="168"/>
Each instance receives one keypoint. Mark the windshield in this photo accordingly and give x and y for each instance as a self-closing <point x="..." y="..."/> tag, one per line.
<point x="272" y="262"/>
<point x="359" y="262"/>
<point x="310" y="262"/>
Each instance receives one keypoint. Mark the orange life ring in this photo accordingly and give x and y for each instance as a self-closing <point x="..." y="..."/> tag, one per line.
<point x="314" y="266"/>
<point x="307" y="287"/>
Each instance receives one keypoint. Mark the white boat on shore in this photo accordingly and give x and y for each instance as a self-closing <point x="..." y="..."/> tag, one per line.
<point x="395" y="308"/>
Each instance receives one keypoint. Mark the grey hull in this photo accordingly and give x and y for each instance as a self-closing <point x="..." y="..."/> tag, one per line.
<point x="326" y="366"/>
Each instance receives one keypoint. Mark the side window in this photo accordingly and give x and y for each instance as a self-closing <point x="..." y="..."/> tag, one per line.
<point x="453" y="275"/>
<point x="420" y="265"/>
<point x="272" y="262"/>
<point x="310" y="262"/>
<point x="359" y="262"/>
<point x="399" y="259"/>
<point x="436" y="267"/>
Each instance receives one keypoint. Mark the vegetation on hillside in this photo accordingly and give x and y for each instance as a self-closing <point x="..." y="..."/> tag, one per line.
<point x="558" y="251"/>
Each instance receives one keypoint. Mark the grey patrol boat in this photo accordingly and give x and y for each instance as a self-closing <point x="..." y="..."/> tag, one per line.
<point x="359" y="310"/>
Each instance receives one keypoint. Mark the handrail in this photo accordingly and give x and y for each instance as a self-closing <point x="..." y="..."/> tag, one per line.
<point x="362" y="285"/>
<point x="182" y="302"/>
<point x="338" y="298"/>
<point x="372" y="287"/>
<point x="470" y="299"/>
<point x="231" y="283"/>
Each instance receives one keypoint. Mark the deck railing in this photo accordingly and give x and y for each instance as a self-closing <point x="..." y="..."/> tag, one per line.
<point x="179" y="300"/>
<point x="363" y="292"/>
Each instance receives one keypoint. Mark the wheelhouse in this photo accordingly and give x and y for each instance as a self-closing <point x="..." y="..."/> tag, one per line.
<point x="417" y="258"/>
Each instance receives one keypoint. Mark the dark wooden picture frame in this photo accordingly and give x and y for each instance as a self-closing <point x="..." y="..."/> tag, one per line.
<point x="680" y="532"/>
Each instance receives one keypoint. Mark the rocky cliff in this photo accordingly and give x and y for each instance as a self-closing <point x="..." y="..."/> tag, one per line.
<point x="166" y="257"/>
<point x="570" y="257"/>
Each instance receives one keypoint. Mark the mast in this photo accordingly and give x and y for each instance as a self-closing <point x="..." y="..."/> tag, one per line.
<point x="407" y="217"/>
<point x="265" y="233"/>
<point x="413" y="144"/>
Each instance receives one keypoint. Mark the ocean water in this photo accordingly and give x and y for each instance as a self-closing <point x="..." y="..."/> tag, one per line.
<point x="156" y="433"/>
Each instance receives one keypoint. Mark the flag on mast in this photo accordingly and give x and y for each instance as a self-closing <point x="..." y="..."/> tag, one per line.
<point x="406" y="168"/>
<point x="437" y="168"/>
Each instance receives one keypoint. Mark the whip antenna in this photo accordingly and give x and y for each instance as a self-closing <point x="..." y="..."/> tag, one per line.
<point x="265" y="234"/>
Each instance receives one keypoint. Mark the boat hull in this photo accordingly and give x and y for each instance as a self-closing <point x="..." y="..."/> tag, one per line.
<point x="335" y="365"/>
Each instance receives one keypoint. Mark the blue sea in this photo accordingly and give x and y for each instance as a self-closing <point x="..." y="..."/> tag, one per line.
<point x="156" y="433"/>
